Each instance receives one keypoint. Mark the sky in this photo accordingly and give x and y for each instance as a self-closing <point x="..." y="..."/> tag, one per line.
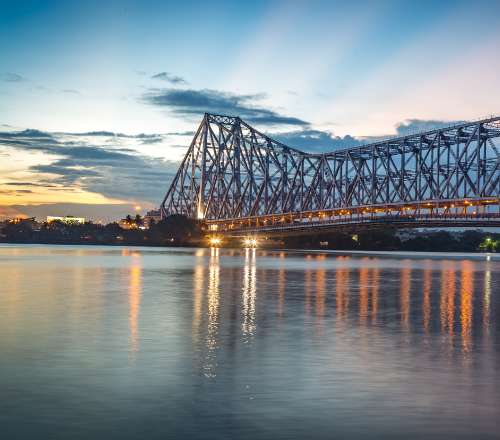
<point x="99" y="99"/>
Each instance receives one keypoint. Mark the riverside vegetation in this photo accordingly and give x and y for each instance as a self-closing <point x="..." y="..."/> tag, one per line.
<point x="178" y="230"/>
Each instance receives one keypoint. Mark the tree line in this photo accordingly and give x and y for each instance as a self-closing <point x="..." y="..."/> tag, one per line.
<point x="178" y="230"/>
<point x="175" y="230"/>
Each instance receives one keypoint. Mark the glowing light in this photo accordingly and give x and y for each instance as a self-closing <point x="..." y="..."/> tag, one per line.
<point x="215" y="241"/>
<point x="250" y="242"/>
<point x="137" y="208"/>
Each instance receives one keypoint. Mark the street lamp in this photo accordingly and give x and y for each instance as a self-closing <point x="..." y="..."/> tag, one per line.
<point x="250" y="242"/>
<point x="215" y="241"/>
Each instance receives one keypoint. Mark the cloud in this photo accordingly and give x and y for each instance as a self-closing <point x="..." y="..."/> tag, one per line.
<point x="71" y="91"/>
<point x="143" y="137"/>
<point x="95" y="163"/>
<point x="410" y="126"/>
<point x="28" y="133"/>
<point x="172" y="79"/>
<point x="26" y="184"/>
<point x="150" y="141"/>
<point x="315" y="141"/>
<point x="189" y="103"/>
<point x="15" y="191"/>
<point x="181" y="133"/>
<point x="11" y="77"/>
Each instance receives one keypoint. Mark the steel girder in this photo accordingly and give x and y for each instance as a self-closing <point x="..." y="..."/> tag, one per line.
<point x="233" y="171"/>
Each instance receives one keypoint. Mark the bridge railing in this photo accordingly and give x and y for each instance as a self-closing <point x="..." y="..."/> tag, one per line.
<point x="474" y="210"/>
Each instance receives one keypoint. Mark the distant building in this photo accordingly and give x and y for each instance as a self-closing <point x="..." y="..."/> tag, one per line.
<point x="152" y="216"/>
<point x="68" y="219"/>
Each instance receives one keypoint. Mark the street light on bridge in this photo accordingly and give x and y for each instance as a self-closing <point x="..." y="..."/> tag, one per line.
<point x="250" y="242"/>
<point x="215" y="241"/>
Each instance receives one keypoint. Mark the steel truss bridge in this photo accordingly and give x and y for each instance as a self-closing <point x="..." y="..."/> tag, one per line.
<point x="240" y="182"/>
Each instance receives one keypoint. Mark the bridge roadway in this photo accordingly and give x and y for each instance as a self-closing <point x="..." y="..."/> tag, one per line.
<point x="438" y="214"/>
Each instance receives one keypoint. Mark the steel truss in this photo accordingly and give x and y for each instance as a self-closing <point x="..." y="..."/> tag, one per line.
<point x="235" y="177"/>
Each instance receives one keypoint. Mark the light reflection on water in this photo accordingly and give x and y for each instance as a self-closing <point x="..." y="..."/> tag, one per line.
<point x="248" y="295"/>
<point x="213" y="343"/>
<point x="212" y="313"/>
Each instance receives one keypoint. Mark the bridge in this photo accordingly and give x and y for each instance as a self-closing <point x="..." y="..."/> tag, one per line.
<point x="240" y="182"/>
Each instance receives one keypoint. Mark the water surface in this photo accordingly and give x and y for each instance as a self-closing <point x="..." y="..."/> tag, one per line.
<point x="106" y="342"/>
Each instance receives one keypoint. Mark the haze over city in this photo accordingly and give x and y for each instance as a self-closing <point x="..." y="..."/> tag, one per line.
<point x="98" y="102"/>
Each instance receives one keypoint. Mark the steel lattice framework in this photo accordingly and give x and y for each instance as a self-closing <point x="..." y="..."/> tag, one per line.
<point x="234" y="177"/>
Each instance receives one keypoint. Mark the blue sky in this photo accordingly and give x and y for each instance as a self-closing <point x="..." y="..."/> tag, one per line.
<point x="319" y="75"/>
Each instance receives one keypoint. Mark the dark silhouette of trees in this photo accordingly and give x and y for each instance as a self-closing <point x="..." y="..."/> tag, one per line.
<point x="178" y="230"/>
<point x="175" y="230"/>
<point x="19" y="232"/>
<point x="138" y="220"/>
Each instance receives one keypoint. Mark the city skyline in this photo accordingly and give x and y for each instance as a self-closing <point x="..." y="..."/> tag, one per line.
<point x="99" y="102"/>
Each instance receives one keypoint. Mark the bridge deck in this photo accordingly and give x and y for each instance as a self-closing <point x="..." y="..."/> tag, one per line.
<point x="479" y="212"/>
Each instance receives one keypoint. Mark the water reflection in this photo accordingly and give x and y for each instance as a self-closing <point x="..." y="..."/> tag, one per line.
<point x="198" y="290"/>
<point x="342" y="277"/>
<point x="467" y="283"/>
<point x="320" y="289"/>
<point x="447" y="301"/>
<point x="363" y="294"/>
<point x="242" y="339"/>
<point x="210" y="364"/>
<point x="134" y="295"/>
<point x="426" y="303"/>
<point x="486" y="298"/>
<point x="249" y="294"/>
<point x="281" y="285"/>
<point x="405" y="295"/>
<point x="375" y="287"/>
<point x="308" y="285"/>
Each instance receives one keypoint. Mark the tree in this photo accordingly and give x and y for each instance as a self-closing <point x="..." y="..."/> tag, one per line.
<point x="20" y="232"/>
<point x="174" y="230"/>
<point x="489" y="245"/>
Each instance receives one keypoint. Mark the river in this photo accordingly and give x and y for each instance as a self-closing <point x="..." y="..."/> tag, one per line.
<point x="129" y="343"/>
